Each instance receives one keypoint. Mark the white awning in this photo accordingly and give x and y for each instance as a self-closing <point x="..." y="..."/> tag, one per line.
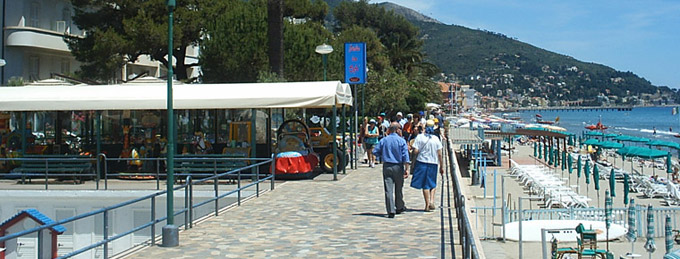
<point x="186" y="96"/>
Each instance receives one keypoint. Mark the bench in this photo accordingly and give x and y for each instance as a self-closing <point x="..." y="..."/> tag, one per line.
<point x="56" y="166"/>
<point x="206" y="165"/>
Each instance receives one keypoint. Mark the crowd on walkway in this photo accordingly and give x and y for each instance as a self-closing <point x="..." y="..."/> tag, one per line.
<point x="410" y="145"/>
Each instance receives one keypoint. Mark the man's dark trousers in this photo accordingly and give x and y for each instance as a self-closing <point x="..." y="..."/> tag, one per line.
<point x="393" y="179"/>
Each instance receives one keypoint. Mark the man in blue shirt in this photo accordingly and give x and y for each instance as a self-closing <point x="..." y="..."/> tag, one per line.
<point x="393" y="151"/>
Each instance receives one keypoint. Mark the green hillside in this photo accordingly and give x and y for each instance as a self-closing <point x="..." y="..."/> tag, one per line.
<point x="491" y="62"/>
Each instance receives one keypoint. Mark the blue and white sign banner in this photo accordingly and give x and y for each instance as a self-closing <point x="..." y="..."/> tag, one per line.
<point x="355" y="62"/>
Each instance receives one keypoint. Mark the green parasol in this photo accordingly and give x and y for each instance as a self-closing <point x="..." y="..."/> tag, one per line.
<point x="552" y="156"/>
<point x="586" y="172"/>
<point x="669" y="164"/>
<point x="569" y="162"/>
<point x="578" y="167"/>
<point x="535" y="144"/>
<point x="626" y="188"/>
<point x="571" y="140"/>
<point x="540" y="154"/>
<point x="669" y="235"/>
<point x="564" y="160"/>
<point x="650" y="246"/>
<point x="607" y="214"/>
<point x="612" y="182"/>
<point x="596" y="177"/>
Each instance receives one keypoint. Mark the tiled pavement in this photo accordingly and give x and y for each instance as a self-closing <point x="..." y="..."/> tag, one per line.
<point x="315" y="219"/>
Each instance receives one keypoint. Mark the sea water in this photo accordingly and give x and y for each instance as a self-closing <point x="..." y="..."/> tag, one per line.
<point x="640" y="122"/>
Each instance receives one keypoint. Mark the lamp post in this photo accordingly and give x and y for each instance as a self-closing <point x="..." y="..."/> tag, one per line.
<point x="170" y="231"/>
<point x="521" y="218"/>
<point x="324" y="49"/>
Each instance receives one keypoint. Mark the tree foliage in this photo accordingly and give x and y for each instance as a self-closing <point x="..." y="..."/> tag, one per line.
<point x="120" y="31"/>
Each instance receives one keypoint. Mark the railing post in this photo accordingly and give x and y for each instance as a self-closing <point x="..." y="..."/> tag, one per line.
<point x="153" y="221"/>
<point x="47" y="169"/>
<point x="257" y="182"/>
<point x="238" y="184"/>
<point x="105" y="232"/>
<point x="97" y="171"/>
<point x="40" y="244"/>
<point x="272" y="166"/>
<point x="191" y="203"/>
<point x="217" y="201"/>
<point x="106" y="173"/>
<point x="186" y="203"/>
<point x="158" y="174"/>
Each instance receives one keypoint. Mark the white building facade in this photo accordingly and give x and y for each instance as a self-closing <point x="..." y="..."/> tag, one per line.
<point x="34" y="49"/>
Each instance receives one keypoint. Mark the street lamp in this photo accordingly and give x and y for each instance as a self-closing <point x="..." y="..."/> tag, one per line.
<point x="324" y="49"/>
<point x="170" y="231"/>
<point x="521" y="218"/>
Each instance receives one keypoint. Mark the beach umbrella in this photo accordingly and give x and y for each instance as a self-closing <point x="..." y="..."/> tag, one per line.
<point x="540" y="154"/>
<point x="650" y="246"/>
<point x="535" y="144"/>
<point x="570" y="160"/>
<point x="626" y="188"/>
<point x="632" y="231"/>
<point x="669" y="235"/>
<point x="596" y="177"/>
<point x="586" y="172"/>
<point x="607" y="214"/>
<point x="669" y="165"/>
<point x="578" y="167"/>
<point x="551" y="158"/>
<point x="571" y="140"/>
<point x="545" y="152"/>
<point x="564" y="160"/>
<point x="612" y="182"/>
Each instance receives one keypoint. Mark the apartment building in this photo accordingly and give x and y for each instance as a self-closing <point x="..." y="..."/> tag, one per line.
<point x="33" y="46"/>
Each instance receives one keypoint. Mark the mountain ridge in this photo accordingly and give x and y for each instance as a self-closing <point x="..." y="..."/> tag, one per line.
<point x="490" y="61"/>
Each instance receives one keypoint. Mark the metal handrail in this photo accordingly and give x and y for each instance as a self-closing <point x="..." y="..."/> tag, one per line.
<point x="46" y="173"/>
<point x="446" y="184"/>
<point x="466" y="234"/>
<point x="187" y="210"/>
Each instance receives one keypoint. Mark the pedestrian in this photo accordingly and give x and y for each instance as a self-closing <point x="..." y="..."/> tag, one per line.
<point x="370" y="140"/>
<point x="394" y="153"/>
<point x="427" y="150"/>
<point x="407" y="128"/>
<point x="654" y="129"/>
<point x="361" y="139"/>
<point x="401" y="119"/>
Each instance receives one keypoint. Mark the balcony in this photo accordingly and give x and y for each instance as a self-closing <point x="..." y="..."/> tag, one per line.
<point x="35" y="38"/>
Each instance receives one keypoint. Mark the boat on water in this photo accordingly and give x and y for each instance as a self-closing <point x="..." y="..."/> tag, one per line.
<point x="539" y="120"/>
<point x="598" y="126"/>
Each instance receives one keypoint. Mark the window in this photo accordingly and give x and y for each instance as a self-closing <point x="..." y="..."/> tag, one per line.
<point x="66" y="17"/>
<point x="35" y="15"/>
<point x="34" y="68"/>
<point x="65" y="66"/>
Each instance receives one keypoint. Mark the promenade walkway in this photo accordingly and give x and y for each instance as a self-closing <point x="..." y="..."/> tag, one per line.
<point x="316" y="218"/>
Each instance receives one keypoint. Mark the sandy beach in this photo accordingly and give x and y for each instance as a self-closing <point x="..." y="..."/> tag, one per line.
<point x="523" y="155"/>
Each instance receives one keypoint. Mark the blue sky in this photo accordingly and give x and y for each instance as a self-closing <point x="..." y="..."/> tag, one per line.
<point x="641" y="36"/>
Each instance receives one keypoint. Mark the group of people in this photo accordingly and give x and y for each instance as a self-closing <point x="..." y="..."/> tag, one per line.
<point x="406" y="145"/>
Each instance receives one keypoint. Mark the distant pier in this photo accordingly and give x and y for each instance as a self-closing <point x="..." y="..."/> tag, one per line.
<point x="573" y="108"/>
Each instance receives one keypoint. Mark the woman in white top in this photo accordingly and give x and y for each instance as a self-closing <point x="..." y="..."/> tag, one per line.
<point x="427" y="150"/>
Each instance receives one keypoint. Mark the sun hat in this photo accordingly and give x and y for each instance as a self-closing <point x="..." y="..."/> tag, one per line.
<point x="430" y="123"/>
<point x="435" y="120"/>
<point x="400" y="114"/>
<point x="372" y="121"/>
<point x="382" y="114"/>
<point x="409" y="115"/>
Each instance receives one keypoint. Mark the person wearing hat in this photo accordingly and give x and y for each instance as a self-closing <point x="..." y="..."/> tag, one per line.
<point x="371" y="138"/>
<point x="427" y="150"/>
<point x="401" y="119"/>
<point x="394" y="154"/>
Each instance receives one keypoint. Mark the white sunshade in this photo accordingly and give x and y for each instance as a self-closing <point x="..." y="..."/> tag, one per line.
<point x="185" y="96"/>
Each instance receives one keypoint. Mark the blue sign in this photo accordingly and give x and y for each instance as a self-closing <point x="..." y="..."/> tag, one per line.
<point x="355" y="62"/>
